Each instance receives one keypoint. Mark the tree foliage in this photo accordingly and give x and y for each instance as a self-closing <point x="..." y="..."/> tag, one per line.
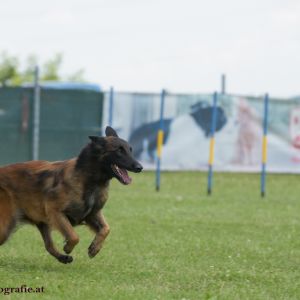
<point x="8" y="68"/>
<point x="11" y="73"/>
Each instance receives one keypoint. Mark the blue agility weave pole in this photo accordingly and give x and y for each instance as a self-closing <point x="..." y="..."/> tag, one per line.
<point x="212" y="144"/>
<point x="111" y="106"/>
<point x="160" y="138"/>
<point x="264" y="147"/>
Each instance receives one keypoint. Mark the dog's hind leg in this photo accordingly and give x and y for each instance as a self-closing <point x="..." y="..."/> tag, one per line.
<point x="8" y="216"/>
<point x="98" y="224"/>
<point x="46" y="235"/>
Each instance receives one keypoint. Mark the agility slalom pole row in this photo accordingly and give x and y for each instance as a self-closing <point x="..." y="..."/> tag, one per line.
<point x="264" y="147"/>
<point x="212" y="144"/>
<point x="160" y="138"/>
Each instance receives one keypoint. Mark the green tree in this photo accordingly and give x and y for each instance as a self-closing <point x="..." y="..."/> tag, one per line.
<point x="27" y="75"/>
<point x="51" y="68"/>
<point x="77" y="76"/>
<point x="12" y="75"/>
<point x="8" y="68"/>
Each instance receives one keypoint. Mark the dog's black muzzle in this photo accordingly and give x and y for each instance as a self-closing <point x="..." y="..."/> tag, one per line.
<point x="137" y="168"/>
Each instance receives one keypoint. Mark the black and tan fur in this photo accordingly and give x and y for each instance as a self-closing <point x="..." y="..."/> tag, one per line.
<point x="60" y="195"/>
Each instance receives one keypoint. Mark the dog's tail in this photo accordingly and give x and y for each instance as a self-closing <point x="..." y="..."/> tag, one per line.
<point x="7" y="216"/>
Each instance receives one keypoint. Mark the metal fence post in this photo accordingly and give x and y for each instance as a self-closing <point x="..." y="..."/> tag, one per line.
<point x="111" y="106"/>
<point x="36" y="116"/>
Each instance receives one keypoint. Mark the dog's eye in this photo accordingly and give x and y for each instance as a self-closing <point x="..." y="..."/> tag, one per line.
<point x="121" y="150"/>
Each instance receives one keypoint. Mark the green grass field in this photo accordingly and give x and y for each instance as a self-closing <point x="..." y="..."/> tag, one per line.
<point x="176" y="244"/>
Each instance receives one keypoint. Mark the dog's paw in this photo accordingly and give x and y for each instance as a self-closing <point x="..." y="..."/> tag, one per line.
<point x="70" y="244"/>
<point x="65" y="259"/>
<point x="67" y="249"/>
<point x="93" y="250"/>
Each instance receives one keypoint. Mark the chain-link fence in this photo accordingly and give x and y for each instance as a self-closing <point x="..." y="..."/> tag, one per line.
<point x="67" y="117"/>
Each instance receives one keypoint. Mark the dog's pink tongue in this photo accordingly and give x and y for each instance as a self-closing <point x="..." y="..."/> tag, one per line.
<point x="125" y="176"/>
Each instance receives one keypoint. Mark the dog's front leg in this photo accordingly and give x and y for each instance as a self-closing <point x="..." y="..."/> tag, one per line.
<point x="60" y="222"/>
<point x="98" y="224"/>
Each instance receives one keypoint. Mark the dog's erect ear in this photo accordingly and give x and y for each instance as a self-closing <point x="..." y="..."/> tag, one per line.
<point x="97" y="140"/>
<point x="110" y="132"/>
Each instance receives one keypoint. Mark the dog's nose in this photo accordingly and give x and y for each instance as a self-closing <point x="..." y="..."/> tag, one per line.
<point x="138" y="168"/>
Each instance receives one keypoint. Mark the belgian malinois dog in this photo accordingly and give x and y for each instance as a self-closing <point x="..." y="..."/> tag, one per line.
<point x="63" y="194"/>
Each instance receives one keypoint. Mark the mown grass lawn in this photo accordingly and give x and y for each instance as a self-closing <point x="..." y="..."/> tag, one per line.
<point x="175" y="244"/>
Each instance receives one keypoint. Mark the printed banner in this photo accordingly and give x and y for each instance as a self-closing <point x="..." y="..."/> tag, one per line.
<point x="187" y="124"/>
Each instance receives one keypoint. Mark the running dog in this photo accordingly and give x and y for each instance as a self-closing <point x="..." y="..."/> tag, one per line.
<point x="63" y="194"/>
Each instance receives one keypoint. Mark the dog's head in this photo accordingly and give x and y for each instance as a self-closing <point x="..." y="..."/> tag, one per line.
<point x="115" y="155"/>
